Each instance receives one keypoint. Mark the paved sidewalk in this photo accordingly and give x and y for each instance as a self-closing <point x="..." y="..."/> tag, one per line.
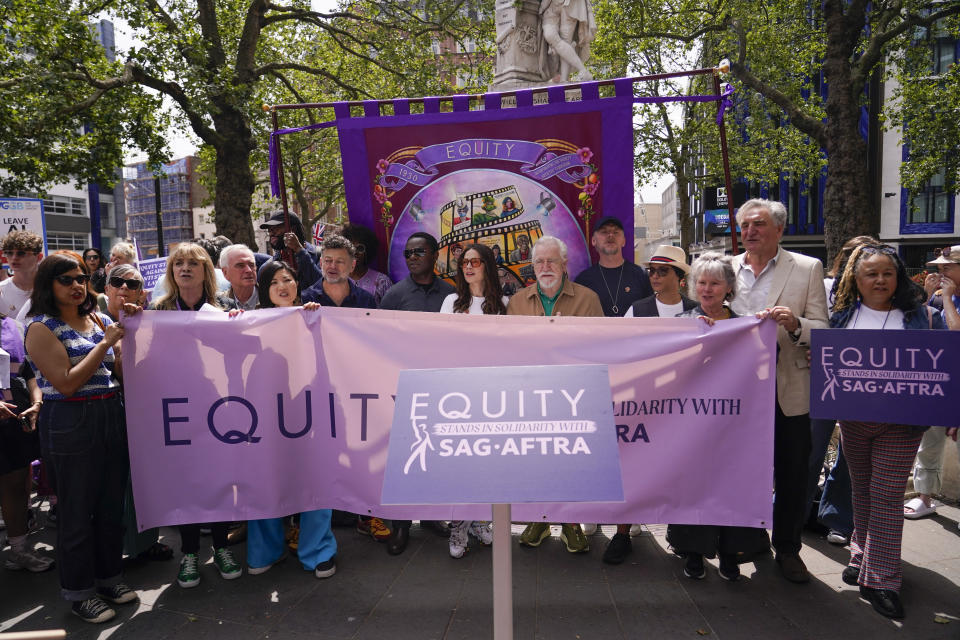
<point x="425" y="594"/>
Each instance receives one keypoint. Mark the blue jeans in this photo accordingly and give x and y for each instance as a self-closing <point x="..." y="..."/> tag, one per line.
<point x="85" y="445"/>
<point x="836" y="504"/>
<point x="265" y="543"/>
<point x="820" y="432"/>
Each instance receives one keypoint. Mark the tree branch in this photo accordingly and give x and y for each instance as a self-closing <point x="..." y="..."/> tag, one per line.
<point x="211" y="34"/>
<point x="277" y="66"/>
<point x="247" y="46"/>
<point x="813" y="127"/>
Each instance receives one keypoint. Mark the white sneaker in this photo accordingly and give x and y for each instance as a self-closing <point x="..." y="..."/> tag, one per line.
<point x="635" y="530"/>
<point x="28" y="560"/>
<point x="458" y="539"/>
<point x="481" y="531"/>
<point x="589" y="529"/>
<point x="835" y="537"/>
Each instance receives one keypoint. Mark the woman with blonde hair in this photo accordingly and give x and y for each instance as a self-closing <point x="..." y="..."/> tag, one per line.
<point x="191" y="285"/>
<point x="190" y="281"/>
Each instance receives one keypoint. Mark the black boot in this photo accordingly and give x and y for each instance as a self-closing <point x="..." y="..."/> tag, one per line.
<point x="398" y="540"/>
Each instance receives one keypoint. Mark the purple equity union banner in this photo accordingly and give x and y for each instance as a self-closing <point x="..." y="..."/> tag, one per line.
<point x="900" y="377"/>
<point x="279" y="411"/>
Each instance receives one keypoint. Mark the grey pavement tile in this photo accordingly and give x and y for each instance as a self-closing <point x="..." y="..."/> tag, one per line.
<point x="569" y="609"/>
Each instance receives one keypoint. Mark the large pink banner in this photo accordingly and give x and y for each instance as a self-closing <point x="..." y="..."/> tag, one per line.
<point x="279" y="411"/>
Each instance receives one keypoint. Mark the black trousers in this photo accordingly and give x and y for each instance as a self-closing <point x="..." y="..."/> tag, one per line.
<point x="791" y="457"/>
<point x="190" y="536"/>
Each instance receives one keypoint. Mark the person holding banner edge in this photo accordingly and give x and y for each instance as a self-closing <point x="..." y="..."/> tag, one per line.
<point x="713" y="282"/>
<point x="786" y="287"/>
<point x="553" y="294"/>
<point x="876" y="293"/>
<point x="478" y="292"/>
<point x="422" y="290"/>
<point x="72" y="350"/>
<point x="191" y="285"/>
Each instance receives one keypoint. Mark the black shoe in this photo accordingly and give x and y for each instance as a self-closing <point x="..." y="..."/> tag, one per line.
<point x="729" y="567"/>
<point x="398" y="540"/>
<point x="793" y="568"/>
<point x="93" y="610"/>
<point x="118" y="594"/>
<point x="693" y="568"/>
<point x="851" y="575"/>
<point x="618" y="549"/>
<point x="886" y="602"/>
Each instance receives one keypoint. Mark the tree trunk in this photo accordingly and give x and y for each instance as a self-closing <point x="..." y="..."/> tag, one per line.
<point x="234" y="194"/>
<point x="847" y="206"/>
<point x="683" y="210"/>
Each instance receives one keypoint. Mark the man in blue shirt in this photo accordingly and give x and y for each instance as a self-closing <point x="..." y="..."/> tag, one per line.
<point x="336" y="289"/>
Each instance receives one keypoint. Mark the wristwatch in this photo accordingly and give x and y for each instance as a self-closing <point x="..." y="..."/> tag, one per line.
<point x="795" y="334"/>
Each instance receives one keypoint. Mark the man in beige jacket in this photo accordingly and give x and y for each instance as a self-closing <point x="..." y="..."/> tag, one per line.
<point x="554" y="294"/>
<point x="788" y="288"/>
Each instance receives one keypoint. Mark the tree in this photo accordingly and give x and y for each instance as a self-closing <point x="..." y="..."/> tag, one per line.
<point x="216" y="62"/>
<point x="779" y="52"/>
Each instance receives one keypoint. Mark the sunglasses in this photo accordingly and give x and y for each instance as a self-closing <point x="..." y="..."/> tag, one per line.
<point x="473" y="262"/>
<point x="945" y="252"/>
<point x="419" y="251"/>
<point x="68" y="281"/>
<point x="19" y="253"/>
<point x="659" y="271"/>
<point x="132" y="284"/>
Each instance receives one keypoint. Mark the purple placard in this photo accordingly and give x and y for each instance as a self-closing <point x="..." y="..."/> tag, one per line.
<point x="503" y="435"/>
<point x="152" y="270"/>
<point x="901" y="377"/>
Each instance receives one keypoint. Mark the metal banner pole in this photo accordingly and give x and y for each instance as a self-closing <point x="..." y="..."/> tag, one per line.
<point x="502" y="574"/>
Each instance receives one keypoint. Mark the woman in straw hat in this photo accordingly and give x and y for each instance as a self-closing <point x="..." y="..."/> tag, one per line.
<point x="666" y="268"/>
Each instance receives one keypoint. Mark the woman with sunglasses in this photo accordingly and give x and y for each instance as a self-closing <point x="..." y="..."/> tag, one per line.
<point x="478" y="292"/>
<point x="666" y="268"/>
<point x="125" y="286"/>
<point x="95" y="262"/>
<point x="72" y="350"/>
<point x="874" y="292"/>
<point x="316" y="545"/>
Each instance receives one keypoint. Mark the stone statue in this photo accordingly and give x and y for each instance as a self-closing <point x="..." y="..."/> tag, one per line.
<point x="564" y="22"/>
<point x="542" y="42"/>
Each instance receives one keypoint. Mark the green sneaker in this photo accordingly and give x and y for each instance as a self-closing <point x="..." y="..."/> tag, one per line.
<point x="535" y="533"/>
<point x="189" y="575"/>
<point x="572" y="536"/>
<point x="226" y="565"/>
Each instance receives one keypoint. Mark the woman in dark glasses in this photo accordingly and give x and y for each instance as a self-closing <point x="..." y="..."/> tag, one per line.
<point x="125" y="285"/>
<point x="73" y="352"/>
<point x="478" y="292"/>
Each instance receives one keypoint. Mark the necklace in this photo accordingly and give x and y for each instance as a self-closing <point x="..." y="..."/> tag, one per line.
<point x="857" y="317"/>
<point x="614" y="300"/>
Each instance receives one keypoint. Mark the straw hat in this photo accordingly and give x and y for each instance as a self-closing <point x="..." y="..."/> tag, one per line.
<point x="676" y="257"/>
<point x="949" y="255"/>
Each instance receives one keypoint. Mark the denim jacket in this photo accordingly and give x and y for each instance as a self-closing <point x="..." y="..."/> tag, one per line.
<point x="922" y="317"/>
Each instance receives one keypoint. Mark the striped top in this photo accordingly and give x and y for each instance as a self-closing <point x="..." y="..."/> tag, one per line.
<point x="78" y="345"/>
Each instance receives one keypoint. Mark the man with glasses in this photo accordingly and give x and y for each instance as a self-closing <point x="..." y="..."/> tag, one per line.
<point x="336" y="289"/>
<point x="23" y="251"/>
<point x="616" y="281"/>
<point x="554" y="294"/>
<point x="422" y="290"/>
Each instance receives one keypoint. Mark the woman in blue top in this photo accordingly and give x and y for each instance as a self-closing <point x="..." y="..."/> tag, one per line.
<point x="876" y="293"/>
<point x="71" y="349"/>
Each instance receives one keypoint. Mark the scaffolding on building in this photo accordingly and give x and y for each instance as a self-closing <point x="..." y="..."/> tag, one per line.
<point x="176" y="191"/>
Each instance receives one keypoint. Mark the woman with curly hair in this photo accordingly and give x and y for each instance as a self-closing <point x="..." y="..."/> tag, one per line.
<point x="874" y="292"/>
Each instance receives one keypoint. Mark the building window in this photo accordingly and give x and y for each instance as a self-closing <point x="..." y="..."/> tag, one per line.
<point x="71" y="241"/>
<point x="65" y="205"/>
<point x="106" y="215"/>
<point x="435" y="47"/>
<point x="931" y="204"/>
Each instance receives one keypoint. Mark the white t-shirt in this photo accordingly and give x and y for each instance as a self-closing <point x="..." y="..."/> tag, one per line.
<point x="476" y="304"/>
<point x="12" y="298"/>
<point x="866" y="318"/>
<point x="665" y="310"/>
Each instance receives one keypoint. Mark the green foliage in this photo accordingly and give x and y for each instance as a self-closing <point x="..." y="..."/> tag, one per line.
<point x="55" y="126"/>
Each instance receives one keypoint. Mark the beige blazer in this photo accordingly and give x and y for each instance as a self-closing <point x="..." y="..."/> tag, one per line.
<point x="797" y="284"/>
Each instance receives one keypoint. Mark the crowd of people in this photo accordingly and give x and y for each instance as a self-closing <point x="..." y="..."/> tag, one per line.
<point x="61" y="325"/>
